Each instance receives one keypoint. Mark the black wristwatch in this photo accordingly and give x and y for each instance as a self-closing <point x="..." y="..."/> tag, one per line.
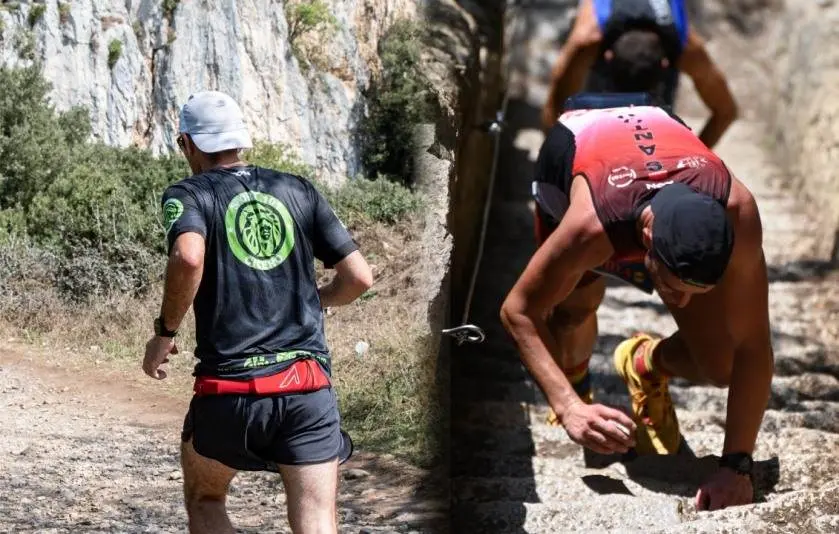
<point x="160" y="329"/>
<point x="739" y="462"/>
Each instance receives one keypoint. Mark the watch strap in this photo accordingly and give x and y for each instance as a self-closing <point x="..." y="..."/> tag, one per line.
<point x="739" y="462"/>
<point x="161" y="330"/>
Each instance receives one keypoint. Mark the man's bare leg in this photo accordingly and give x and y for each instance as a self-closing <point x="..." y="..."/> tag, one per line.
<point x="574" y="324"/>
<point x="702" y="350"/>
<point x="311" y="495"/>
<point x="205" y="491"/>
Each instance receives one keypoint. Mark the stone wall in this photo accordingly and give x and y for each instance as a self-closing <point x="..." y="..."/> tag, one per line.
<point x="468" y="42"/>
<point x="807" y="110"/>
<point x="242" y="48"/>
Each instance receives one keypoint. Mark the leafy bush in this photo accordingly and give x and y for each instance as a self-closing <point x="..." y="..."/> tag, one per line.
<point x="36" y="12"/>
<point x="94" y="207"/>
<point x="63" y="12"/>
<point x="278" y="157"/>
<point x="399" y="98"/>
<point x="379" y="200"/>
<point x="307" y="16"/>
<point x="114" y="52"/>
<point x="169" y="7"/>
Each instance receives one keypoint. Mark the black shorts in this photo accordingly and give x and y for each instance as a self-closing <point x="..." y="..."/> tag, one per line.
<point x="258" y="433"/>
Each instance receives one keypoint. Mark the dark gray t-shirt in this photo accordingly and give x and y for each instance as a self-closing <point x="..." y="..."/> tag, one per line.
<point x="257" y="304"/>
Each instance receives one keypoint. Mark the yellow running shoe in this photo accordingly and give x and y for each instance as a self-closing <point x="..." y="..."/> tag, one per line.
<point x="553" y="419"/>
<point x="658" y="428"/>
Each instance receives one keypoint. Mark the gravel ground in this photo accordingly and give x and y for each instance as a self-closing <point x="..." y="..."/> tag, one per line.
<point x="87" y="454"/>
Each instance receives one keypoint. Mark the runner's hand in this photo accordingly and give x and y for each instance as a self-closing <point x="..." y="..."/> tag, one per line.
<point x="724" y="488"/>
<point x="593" y="426"/>
<point x="158" y="350"/>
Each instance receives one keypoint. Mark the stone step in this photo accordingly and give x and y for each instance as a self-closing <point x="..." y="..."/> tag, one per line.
<point x="601" y="513"/>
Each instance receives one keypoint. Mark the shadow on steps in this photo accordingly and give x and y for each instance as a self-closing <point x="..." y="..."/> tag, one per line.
<point x="678" y="474"/>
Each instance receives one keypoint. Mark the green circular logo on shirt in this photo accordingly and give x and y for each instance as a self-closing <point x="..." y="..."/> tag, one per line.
<point x="260" y="230"/>
<point x="172" y="211"/>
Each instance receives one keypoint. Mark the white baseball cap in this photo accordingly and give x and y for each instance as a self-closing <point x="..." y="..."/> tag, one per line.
<point x="214" y="122"/>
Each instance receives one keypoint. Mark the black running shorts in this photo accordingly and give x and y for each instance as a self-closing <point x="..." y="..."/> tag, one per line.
<point x="258" y="433"/>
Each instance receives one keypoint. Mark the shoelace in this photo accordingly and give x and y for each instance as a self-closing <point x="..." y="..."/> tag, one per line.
<point x="641" y="400"/>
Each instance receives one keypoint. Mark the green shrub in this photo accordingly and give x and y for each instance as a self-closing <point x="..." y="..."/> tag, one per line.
<point x="379" y="200"/>
<point x="305" y="17"/>
<point x="36" y="12"/>
<point x="63" y="12"/>
<point x="85" y="203"/>
<point x="114" y="52"/>
<point x="279" y="157"/>
<point x="169" y="7"/>
<point x="24" y="44"/>
<point x="399" y="98"/>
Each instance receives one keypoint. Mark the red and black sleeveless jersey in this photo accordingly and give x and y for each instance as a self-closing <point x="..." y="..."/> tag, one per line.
<point x="626" y="154"/>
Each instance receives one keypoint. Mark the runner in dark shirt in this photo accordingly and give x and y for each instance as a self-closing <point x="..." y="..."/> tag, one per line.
<point x="242" y="242"/>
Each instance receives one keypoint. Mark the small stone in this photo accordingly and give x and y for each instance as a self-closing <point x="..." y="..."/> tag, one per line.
<point x="361" y="348"/>
<point x="68" y="495"/>
<point x="175" y="475"/>
<point x="20" y="451"/>
<point x="353" y="474"/>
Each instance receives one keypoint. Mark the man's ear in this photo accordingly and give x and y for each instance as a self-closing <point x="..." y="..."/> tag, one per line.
<point x="608" y="55"/>
<point x="665" y="63"/>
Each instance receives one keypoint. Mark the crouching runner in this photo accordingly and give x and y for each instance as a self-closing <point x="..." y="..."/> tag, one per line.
<point x="242" y="242"/>
<point x="629" y="191"/>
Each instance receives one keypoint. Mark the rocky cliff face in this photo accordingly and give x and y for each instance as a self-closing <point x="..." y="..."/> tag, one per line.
<point x="134" y="62"/>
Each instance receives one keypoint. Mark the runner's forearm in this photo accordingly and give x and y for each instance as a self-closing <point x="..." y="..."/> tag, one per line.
<point x="183" y="277"/>
<point x="340" y="293"/>
<point x="568" y="77"/>
<point x="535" y="345"/>
<point x="715" y="128"/>
<point x="748" y="394"/>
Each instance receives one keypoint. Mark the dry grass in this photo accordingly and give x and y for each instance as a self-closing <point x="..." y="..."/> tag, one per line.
<point x="385" y="394"/>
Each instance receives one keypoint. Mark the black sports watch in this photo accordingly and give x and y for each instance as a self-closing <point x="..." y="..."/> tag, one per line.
<point x="160" y="329"/>
<point x="739" y="462"/>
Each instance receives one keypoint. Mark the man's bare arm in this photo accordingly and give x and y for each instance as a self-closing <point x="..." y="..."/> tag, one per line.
<point x="712" y="87"/>
<point x="577" y="245"/>
<point x="352" y="278"/>
<point x="183" y="276"/>
<point x="573" y="63"/>
<point x="750" y="386"/>
<point x="752" y="368"/>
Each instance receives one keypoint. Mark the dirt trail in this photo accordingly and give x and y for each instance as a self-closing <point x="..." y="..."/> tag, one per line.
<point x="513" y="473"/>
<point x="83" y="452"/>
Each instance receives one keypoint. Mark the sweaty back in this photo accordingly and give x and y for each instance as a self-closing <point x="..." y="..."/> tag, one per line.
<point x="257" y="307"/>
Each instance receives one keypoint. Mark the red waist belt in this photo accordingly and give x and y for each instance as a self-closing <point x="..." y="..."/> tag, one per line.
<point x="303" y="376"/>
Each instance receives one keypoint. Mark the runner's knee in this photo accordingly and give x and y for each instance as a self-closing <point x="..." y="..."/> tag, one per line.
<point x="719" y="373"/>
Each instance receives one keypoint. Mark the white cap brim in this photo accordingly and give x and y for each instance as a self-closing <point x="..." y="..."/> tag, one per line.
<point x="219" y="142"/>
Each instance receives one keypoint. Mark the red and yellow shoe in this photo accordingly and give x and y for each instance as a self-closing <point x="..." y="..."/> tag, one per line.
<point x="658" y="427"/>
